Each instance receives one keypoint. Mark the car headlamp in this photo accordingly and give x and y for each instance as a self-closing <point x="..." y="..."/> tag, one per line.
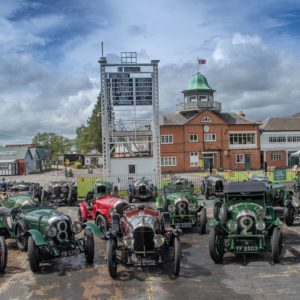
<point x="112" y="211"/>
<point x="159" y="240"/>
<point x="76" y="227"/>
<point x="52" y="231"/>
<point x="260" y="225"/>
<point x="128" y="241"/>
<point x="231" y="225"/>
<point x="171" y="208"/>
<point x="192" y="207"/>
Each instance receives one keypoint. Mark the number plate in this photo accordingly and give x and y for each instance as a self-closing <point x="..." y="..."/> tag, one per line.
<point x="184" y="225"/>
<point x="144" y="263"/>
<point x="246" y="248"/>
<point x="70" y="252"/>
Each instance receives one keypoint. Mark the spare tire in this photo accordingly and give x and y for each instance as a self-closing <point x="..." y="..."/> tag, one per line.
<point x="223" y="213"/>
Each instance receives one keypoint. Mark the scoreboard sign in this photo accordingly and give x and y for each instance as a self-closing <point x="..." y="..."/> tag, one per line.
<point x="124" y="89"/>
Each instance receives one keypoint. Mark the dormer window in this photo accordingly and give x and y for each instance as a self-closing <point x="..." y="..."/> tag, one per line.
<point x="206" y="120"/>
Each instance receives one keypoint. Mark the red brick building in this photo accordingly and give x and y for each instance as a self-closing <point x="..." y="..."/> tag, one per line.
<point x="199" y="135"/>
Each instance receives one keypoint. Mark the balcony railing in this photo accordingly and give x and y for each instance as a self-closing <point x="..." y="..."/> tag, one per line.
<point x="214" y="105"/>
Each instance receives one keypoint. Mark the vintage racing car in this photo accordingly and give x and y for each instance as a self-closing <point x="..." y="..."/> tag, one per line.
<point x="140" y="237"/>
<point x="45" y="232"/>
<point x="142" y="190"/>
<point x="212" y="185"/>
<point x="101" y="188"/>
<point x="101" y="209"/>
<point x="185" y="208"/>
<point x="245" y="224"/>
<point x="62" y="192"/>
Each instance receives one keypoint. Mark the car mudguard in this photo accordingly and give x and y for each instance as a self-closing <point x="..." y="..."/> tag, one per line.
<point x="94" y="229"/>
<point x="37" y="237"/>
<point x="84" y="211"/>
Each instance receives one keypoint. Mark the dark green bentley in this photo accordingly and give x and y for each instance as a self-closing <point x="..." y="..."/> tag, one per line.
<point x="186" y="210"/>
<point x="45" y="232"/>
<point x="245" y="224"/>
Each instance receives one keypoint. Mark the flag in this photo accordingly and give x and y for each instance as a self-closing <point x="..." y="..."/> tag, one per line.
<point x="201" y="61"/>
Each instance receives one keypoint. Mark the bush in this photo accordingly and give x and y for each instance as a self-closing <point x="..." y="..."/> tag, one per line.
<point x="77" y="165"/>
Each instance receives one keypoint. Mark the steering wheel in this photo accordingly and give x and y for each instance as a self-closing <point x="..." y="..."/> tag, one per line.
<point x="129" y="207"/>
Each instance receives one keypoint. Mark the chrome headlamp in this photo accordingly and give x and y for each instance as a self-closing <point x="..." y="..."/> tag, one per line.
<point x="76" y="227"/>
<point x="52" y="231"/>
<point x="159" y="240"/>
<point x="128" y="241"/>
<point x="192" y="207"/>
<point x="112" y="211"/>
<point x="231" y="225"/>
<point x="171" y="208"/>
<point x="260" y="225"/>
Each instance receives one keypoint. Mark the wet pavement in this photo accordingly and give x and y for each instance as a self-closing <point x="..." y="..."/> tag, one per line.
<point x="200" y="278"/>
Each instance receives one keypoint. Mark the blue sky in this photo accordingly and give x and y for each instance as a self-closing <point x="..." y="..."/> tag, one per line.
<point x="49" y="75"/>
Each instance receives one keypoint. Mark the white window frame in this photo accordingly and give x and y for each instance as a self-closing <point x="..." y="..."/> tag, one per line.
<point x="193" y="135"/>
<point x="193" y="162"/>
<point x="210" y="137"/>
<point x="206" y="119"/>
<point x="241" y="161"/>
<point x="168" y="161"/>
<point x="276" y="156"/>
<point x="166" y="139"/>
<point x="238" y="135"/>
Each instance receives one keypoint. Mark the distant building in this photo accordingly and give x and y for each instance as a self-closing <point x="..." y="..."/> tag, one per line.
<point x="23" y="159"/>
<point x="200" y="135"/>
<point x="93" y="158"/>
<point x="279" y="138"/>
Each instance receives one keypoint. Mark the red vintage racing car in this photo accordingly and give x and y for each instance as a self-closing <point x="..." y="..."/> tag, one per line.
<point x="101" y="209"/>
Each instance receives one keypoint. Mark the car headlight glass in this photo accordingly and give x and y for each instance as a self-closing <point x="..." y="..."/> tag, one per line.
<point x="128" y="241"/>
<point x="231" y="225"/>
<point x="52" y="231"/>
<point x="260" y="225"/>
<point x="76" y="227"/>
<point x="192" y="207"/>
<point x="159" y="240"/>
<point x="171" y="208"/>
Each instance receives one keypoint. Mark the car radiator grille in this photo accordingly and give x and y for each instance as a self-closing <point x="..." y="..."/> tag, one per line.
<point x="143" y="239"/>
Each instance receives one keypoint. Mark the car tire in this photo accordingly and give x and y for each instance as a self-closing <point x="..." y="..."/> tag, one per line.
<point x="3" y="254"/>
<point x="33" y="255"/>
<point x="102" y="224"/>
<point x="21" y="238"/>
<point x="165" y="203"/>
<point x="217" y="208"/>
<point x="89" y="246"/>
<point x="223" y="213"/>
<point x="206" y="194"/>
<point x="289" y="215"/>
<point x="112" y="259"/>
<point x="177" y="256"/>
<point x="276" y="242"/>
<point x="202" y="225"/>
<point x="216" y="250"/>
<point x="80" y="216"/>
<point x="130" y="197"/>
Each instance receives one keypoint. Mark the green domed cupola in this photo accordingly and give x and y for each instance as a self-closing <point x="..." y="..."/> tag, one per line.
<point x="198" y="82"/>
<point x="198" y="96"/>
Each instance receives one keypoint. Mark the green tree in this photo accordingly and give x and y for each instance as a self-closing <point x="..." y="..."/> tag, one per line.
<point x="57" y="144"/>
<point x="89" y="136"/>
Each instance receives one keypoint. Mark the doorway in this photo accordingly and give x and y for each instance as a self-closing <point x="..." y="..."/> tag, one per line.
<point x="247" y="161"/>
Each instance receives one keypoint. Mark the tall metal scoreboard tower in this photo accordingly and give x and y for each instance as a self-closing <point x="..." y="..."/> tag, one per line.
<point x="130" y="116"/>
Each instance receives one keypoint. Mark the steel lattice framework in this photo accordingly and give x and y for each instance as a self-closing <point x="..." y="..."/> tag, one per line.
<point x="130" y="111"/>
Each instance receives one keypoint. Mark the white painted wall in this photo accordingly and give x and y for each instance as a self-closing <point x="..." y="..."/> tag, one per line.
<point x="143" y="165"/>
<point x="289" y="146"/>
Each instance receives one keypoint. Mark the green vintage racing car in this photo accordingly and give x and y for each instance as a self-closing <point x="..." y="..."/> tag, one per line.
<point x="45" y="232"/>
<point x="185" y="207"/>
<point x="245" y="224"/>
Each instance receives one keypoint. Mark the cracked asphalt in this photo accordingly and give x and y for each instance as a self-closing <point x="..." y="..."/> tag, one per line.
<point x="200" y="278"/>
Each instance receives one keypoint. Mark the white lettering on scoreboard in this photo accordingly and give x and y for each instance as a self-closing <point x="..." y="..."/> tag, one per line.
<point x="125" y="90"/>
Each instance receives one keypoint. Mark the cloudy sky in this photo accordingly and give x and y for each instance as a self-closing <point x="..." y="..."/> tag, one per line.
<point x="49" y="75"/>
